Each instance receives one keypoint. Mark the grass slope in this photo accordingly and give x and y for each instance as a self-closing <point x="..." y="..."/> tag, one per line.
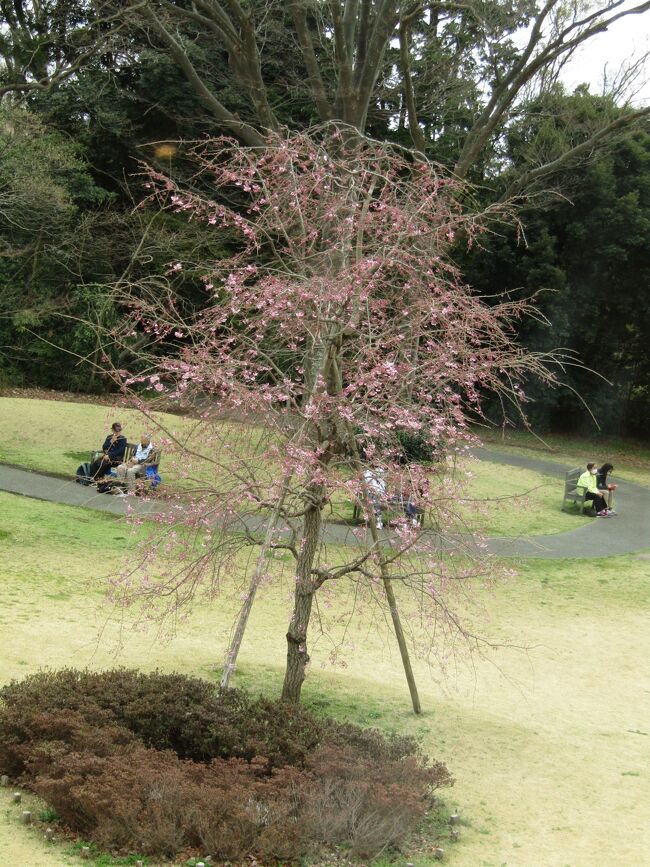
<point x="631" y="459"/>
<point x="549" y="744"/>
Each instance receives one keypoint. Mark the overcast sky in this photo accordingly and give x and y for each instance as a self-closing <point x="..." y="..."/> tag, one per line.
<point x="626" y="39"/>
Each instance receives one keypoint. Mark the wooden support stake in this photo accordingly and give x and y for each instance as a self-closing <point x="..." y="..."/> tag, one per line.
<point x="17" y="797"/>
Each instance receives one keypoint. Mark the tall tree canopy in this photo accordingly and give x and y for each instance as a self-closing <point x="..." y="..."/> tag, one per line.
<point x="587" y="253"/>
<point x="473" y="86"/>
<point x="450" y="74"/>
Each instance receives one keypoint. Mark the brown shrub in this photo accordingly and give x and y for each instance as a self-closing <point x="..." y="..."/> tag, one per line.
<point x="31" y="740"/>
<point x="165" y="711"/>
<point x="368" y="804"/>
<point x="161" y="763"/>
<point x="153" y="802"/>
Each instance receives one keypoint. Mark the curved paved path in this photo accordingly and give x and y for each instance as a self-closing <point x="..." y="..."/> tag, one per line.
<point x="624" y="534"/>
<point x="628" y="532"/>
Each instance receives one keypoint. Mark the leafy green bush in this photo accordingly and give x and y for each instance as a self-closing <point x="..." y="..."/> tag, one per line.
<point x="416" y="447"/>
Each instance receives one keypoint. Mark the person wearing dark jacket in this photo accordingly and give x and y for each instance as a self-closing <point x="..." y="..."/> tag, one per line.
<point x="604" y="486"/>
<point x="112" y="453"/>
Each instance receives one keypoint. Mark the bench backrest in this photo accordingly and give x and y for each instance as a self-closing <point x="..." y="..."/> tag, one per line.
<point x="154" y="458"/>
<point x="571" y="491"/>
<point x="572" y="476"/>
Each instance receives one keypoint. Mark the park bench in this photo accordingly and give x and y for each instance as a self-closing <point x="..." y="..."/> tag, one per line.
<point x="395" y="505"/>
<point x="152" y="462"/>
<point x="571" y="492"/>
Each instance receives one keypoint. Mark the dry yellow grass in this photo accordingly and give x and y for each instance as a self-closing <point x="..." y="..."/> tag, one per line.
<point x="550" y="746"/>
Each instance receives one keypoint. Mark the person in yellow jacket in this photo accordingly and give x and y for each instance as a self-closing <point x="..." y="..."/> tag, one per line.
<point x="588" y="483"/>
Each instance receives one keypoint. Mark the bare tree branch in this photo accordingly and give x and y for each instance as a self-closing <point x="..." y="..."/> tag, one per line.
<point x="535" y="56"/>
<point x="527" y="179"/>
<point x="244" y="131"/>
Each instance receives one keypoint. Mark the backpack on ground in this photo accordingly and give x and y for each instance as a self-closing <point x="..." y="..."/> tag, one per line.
<point x="83" y="474"/>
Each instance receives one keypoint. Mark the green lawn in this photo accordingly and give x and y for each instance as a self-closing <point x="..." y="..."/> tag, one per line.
<point x="548" y="741"/>
<point x="631" y="459"/>
<point x="55" y="436"/>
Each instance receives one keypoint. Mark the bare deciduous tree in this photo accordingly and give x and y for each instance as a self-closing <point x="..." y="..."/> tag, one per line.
<point x="344" y="46"/>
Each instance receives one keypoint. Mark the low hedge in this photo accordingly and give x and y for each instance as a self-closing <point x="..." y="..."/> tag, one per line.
<point x="159" y="764"/>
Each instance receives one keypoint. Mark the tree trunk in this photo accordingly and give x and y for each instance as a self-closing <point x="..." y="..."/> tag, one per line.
<point x="388" y="588"/>
<point x="297" y="656"/>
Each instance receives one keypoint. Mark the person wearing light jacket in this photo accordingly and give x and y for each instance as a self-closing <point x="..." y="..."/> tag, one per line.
<point x="136" y="466"/>
<point x="588" y="483"/>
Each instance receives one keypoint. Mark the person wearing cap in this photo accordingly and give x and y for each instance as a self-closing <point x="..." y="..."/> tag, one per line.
<point x="112" y="453"/>
<point x="130" y="471"/>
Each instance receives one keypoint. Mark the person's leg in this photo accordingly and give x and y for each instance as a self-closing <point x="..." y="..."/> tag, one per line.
<point x="131" y="475"/>
<point x="98" y="469"/>
<point x="607" y="496"/>
<point x="598" y="501"/>
<point x="600" y="504"/>
<point x="411" y="511"/>
<point x="376" y="505"/>
<point x="121" y="470"/>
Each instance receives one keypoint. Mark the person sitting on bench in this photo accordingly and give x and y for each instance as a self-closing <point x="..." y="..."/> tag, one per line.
<point x="136" y="466"/>
<point x="112" y="453"/>
<point x="587" y="481"/>
<point x="415" y="494"/>
<point x="604" y="486"/>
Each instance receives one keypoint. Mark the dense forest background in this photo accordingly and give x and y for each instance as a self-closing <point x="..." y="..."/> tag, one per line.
<point x="90" y="92"/>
